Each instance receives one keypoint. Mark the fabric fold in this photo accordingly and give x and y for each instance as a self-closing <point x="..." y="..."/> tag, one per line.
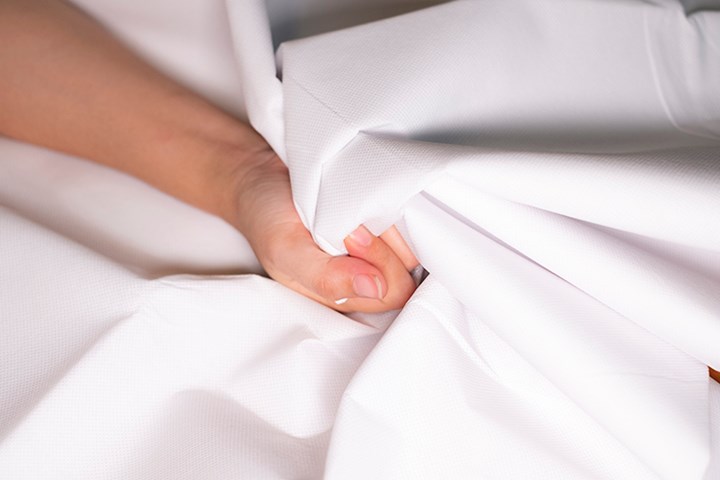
<point x="511" y="141"/>
<point x="553" y="166"/>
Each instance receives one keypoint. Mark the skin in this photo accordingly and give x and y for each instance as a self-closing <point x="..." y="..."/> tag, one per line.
<point x="69" y="85"/>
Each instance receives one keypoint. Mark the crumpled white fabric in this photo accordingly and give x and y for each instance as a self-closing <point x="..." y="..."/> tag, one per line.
<point x="554" y="166"/>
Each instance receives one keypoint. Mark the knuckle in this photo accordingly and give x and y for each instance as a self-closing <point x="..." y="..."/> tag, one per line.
<point x="322" y="287"/>
<point x="325" y="286"/>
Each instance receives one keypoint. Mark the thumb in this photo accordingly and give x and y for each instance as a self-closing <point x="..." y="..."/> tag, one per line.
<point x="343" y="283"/>
<point x="361" y="244"/>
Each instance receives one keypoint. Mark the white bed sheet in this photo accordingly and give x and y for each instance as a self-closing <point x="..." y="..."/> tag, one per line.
<point x="555" y="166"/>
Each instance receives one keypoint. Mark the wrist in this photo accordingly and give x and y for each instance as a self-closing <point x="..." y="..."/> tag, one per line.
<point x="239" y="176"/>
<point x="259" y="201"/>
<point x="203" y="163"/>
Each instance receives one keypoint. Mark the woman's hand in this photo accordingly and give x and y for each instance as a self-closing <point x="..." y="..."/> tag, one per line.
<point x="372" y="278"/>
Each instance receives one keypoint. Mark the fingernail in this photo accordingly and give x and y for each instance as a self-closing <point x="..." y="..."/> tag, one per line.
<point x="362" y="236"/>
<point x="340" y="301"/>
<point x="367" y="286"/>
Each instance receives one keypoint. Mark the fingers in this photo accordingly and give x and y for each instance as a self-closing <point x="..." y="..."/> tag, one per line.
<point x="352" y="284"/>
<point x="342" y="283"/>
<point x="371" y="279"/>
<point x="361" y="244"/>
<point x="397" y="243"/>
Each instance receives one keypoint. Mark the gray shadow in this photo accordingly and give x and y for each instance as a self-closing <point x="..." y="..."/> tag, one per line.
<point x="332" y="16"/>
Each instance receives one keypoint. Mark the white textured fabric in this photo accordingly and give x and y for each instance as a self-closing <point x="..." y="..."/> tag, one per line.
<point x="554" y="165"/>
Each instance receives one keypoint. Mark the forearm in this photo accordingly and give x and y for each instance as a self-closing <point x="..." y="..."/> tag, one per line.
<point x="69" y="85"/>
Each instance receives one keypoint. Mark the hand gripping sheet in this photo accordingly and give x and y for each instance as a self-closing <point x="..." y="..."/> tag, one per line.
<point x="555" y="166"/>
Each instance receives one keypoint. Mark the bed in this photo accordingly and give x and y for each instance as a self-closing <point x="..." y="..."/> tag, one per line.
<point x="555" y="167"/>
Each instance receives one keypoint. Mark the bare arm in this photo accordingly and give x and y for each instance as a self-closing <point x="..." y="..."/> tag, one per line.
<point x="67" y="84"/>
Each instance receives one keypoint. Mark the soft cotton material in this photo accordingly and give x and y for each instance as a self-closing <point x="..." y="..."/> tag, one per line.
<point x="554" y="166"/>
